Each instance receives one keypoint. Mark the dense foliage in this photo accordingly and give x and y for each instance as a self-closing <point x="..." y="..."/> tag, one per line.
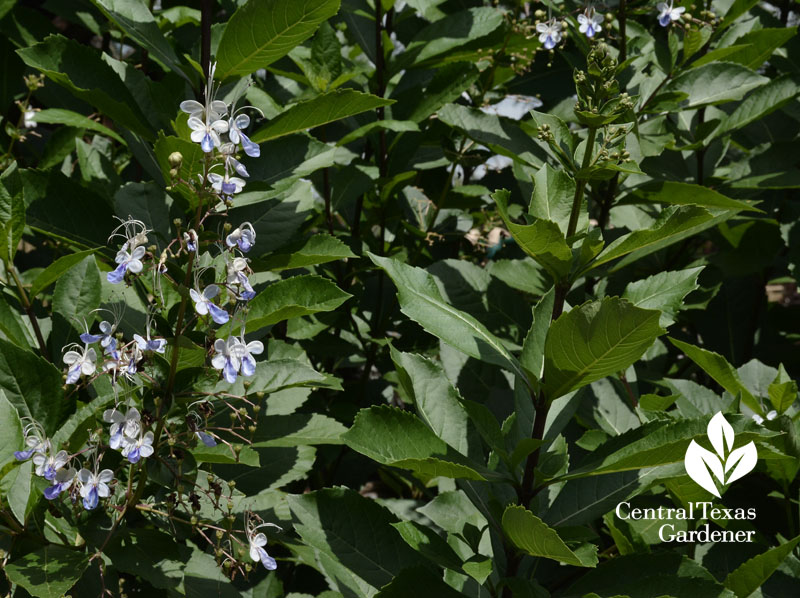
<point x="399" y="298"/>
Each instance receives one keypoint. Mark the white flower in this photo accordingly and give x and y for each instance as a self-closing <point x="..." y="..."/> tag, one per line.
<point x="107" y="341"/>
<point x="48" y="465"/>
<point x="94" y="486"/>
<point x="80" y="362"/>
<point x="62" y="481"/>
<point x="590" y="22"/>
<point x="236" y="124"/>
<point x="236" y="277"/>
<point x="127" y="262"/>
<point x="35" y="440"/>
<point x="549" y="33"/>
<point x="190" y="238"/>
<point x="257" y="552"/>
<point x="136" y="448"/>
<point x="227" y="358"/>
<point x="157" y="344"/>
<point x="206" y="120"/>
<point x="667" y="14"/>
<point x="28" y="119"/>
<point x="203" y="304"/>
<point x="122" y="425"/>
<point x="246" y="352"/>
<point x="243" y="237"/>
<point x="207" y="133"/>
<point x="224" y="184"/>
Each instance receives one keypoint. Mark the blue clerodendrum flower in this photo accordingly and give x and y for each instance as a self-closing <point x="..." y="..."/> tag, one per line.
<point x="590" y="22"/>
<point x="158" y="345"/>
<point x="203" y="304"/>
<point x="206" y="438"/>
<point x="137" y="447"/>
<point x="549" y="33"/>
<point x="228" y="151"/>
<point x="257" y="541"/>
<point x="129" y="257"/>
<point x="206" y="121"/>
<point x="237" y="277"/>
<point x="668" y="14"/>
<point x="190" y="239"/>
<point x="80" y="361"/>
<point x="246" y="351"/>
<point x="236" y="124"/>
<point x="127" y="425"/>
<point x="94" y="485"/>
<point x="63" y="481"/>
<point x="227" y="358"/>
<point x="47" y="465"/>
<point x="35" y="442"/>
<point x="224" y="184"/>
<point x="243" y="237"/>
<point x="107" y="341"/>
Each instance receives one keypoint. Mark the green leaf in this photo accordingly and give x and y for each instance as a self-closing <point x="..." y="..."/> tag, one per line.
<point x="715" y="83"/>
<point x="319" y="249"/>
<point x="421" y="300"/>
<point x="782" y="391"/>
<point x="716" y="366"/>
<point x="542" y="240"/>
<point x="355" y="531"/>
<point x="595" y="340"/>
<point x="429" y="544"/>
<point x="12" y="223"/>
<point x="394" y="437"/>
<point x="553" y="192"/>
<point x="398" y="126"/>
<point x="532" y="357"/>
<point x="664" y="291"/>
<point x="748" y="577"/>
<point x="763" y="101"/>
<point x="752" y="49"/>
<point x="17" y="489"/>
<point x="420" y="582"/>
<point x="298" y="429"/>
<point x="222" y="453"/>
<point x="274" y="375"/>
<point x="292" y="298"/>
<point x="135" y="19"/>
<point x="11" y="438"/>
<point x="81" y="70"/>
<point x="438" y="402"/>
<point x="323" y="109"/>
<point x="32" y="384"/>
<point x="529" y="533"/>
<point x="13" y="326"/>
<point x="672" y="192"/>
<point x="49" y="572"/>
<point x="60" y="116"/>
<point x="193" y="157"/>
<point x="262" y="31"/>
<point x="56" y="270"/>
<point x="673" y="224"/>
<point x="76" y="294"/>
<point x="149" y="203"/>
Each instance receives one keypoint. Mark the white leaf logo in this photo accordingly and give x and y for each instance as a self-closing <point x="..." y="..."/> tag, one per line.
<point x="700" y="463"/>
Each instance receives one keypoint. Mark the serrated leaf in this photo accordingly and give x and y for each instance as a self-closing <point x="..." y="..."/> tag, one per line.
<point x="664" y="291"/>
<point x="752" y="49"/>
<point x="398" y="438"/>
<point x="48" y="572"/>
<point x="299" y="429"/>
<point x="12" y="223"/>
<point x="542" y="240"/>
<point x="535" y="537"/>
<point x="61" y="116"/>
<point x="81" y="70"/>
<point x="262" y="31"/>
<point x="675" y="193"/>
<point x="763" y="101"/>
<point x="421" y="300"/>
<point x="715" y="83"/>
<point x="716" y="366"/>
<point x="748" y="577"/>
<point x="596" y="340"/>
<point x="319" y="249"/>
<point x="429" y="544"/>
<point x="553" y="192"/>
<point x="222" y="453"/>
<point x="782" y="391"/>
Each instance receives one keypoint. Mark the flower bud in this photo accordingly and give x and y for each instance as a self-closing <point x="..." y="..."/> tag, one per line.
<point x="256" y="409"/>
<point x="237" y="448"/>
<point x="251" y="429"/>
<point x="173" y="172"/>
<point x="219" y="535"/>
<point x="175" y="159"/>
<point x="232" y="484"/>
<point x="609" y="16"/>
<point x="193" y="520"/>
<point x="227" y="227"/>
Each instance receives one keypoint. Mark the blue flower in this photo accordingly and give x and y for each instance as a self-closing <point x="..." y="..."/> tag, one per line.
<point x="131" y="262"/>
<point x="137" y="448"/>
<point x="203" y="304"/>
<point x="107" y="341"/>
<point x="48" y="465"/>
<point x="257" y="552"/>
<point x="246" y="352"/>
<point x="190" y="238"/>
<point x="243" y="237"/>
<point x="237" y="277"/>
<point x="35" y="440"/>
<point x="549" y="33"/>
<point x="227" y="358"/>
<point x="235" y="126"/>
<point x="158" y="345"/>
<point x="80" y="362"/>
<point x="206" y="438"/>
<point x="94" y="486"/>
<point x="122" y="425"/>
<point x="590" y="22"/>
<point x="667" y="14"/>
<point x="62" y="481"/>
<point x="224" y="184"/>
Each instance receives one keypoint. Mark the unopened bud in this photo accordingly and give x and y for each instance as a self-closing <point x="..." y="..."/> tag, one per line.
<point x="175" y="159"/>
